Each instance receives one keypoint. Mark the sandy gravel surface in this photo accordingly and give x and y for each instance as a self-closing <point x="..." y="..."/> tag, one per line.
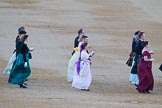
<point x="52" y="26"/>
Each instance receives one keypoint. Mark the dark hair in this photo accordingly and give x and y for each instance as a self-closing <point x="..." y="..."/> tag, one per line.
<point x="80" y="31"/>
<point x="145" y="43"/>
<point x="23" y="38"/>
<point x="83" y="37"/>
<point x="140" y="34"/>
<point x="83" y="46"/>
<point x="137" y="32"/>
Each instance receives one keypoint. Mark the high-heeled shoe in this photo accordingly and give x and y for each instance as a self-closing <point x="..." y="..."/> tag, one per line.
<point x="22" y="86"/>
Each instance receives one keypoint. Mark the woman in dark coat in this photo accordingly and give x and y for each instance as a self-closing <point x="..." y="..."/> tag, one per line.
<point x="21" y="68"/>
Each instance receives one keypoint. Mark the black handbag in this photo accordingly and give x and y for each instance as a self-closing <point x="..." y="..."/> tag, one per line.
<point x="160" y="68"/>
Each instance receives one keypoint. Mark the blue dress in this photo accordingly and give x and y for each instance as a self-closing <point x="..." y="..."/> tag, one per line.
<point x="19" y="73"/>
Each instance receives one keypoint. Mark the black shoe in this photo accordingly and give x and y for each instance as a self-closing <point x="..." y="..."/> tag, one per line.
<point x="136" y="85"/>
<point x="22" y="86"/>
<point x="147" y="91"/>
<point x="137" y="89"/>
<point x="85" y="89"/>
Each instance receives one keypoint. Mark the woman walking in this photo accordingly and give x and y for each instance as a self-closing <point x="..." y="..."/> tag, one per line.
<point x="21" y="68"/>
<point x="82" y="75"/>
<point x="146" y="80"/>
<point x="74" y="58"/>
<point x="21" y="32"/>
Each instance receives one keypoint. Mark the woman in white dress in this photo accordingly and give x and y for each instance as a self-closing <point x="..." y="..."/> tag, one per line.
<point x="82" y="75"/>
<point x="74" y="59"/>
<point x="21" y="32"/>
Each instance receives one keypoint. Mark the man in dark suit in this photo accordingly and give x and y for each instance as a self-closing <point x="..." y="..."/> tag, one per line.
<point x="77" y="39"/>
<point x="140" y="46"/>
<point x="138" y="50"/>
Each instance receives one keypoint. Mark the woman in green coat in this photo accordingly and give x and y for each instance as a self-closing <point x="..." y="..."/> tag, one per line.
<point x="21" y="68"/>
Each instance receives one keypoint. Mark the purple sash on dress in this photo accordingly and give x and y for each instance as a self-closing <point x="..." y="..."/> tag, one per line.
<point x="78" y="62"/>
<point x="78" y="66"/>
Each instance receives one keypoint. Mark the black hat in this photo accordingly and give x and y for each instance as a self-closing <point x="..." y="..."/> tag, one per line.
<point x="22" y="32"/>
<point x="136" y="33"/>
<point x="21" y="29"/>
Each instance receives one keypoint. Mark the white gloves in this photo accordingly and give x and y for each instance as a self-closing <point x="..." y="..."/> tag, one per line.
<point x="31" y="49"/>
<point x="25" y="64"/>
<point x="151" y="52"/>
<point x="152" y="59"/>
<point x="92" y="53"/>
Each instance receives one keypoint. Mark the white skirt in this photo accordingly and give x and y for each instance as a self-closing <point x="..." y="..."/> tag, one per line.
<point x="71" y="66"/>
<point x="83" y="80"/>
<point x="8" y="68"/>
